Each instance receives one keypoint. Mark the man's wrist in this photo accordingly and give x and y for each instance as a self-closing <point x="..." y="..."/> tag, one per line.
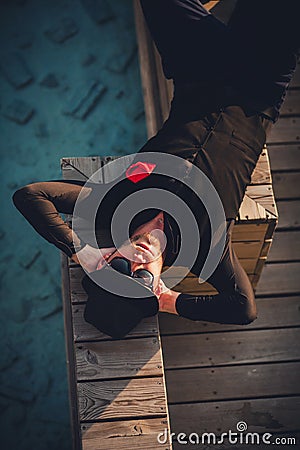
<point x="167" y="302"/>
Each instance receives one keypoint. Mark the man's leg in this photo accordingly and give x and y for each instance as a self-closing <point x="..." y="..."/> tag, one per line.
<point x="188" y="37"/>
<point x="236" y="301"/>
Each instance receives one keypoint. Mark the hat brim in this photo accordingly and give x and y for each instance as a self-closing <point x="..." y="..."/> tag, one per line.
<point x="113" y="314"/>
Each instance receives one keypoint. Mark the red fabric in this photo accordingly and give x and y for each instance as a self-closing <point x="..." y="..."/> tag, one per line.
<point x="138" y="171"/>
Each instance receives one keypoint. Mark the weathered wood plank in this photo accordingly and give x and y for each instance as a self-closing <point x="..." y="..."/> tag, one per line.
<point x="289" y="214"/>
<point x="243" y="231"/>
<point x="285" y="247"/>
<point x="70" y="353"/>
<point x="122" y="358"/>
<point x="284" y="157"/>
<point x="121" y="399"/>
<point x="81" y="168"/>
<point x="291" y="104"/>
<point x="261" y="173"/>
<point x="272" y="313"/>
<point x="248" y="250"/>
<point x="287" y="129"/>
<point x="261" y="415"/>
<point x="240" y="347"/>
<point x="84" y="331"/>
<point x="264" y="196"/>
<point x="279" y="279"/>
<point x="250" y="209"/>
<point x="259" y="380"/>
<point x="151" y="73"/>
<point x="286" y="185"/>
<point x="139" y="434"/>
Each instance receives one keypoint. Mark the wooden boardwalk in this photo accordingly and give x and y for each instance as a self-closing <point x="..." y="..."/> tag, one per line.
<point x="215" y="375"/>
<point x="117" y="387"/>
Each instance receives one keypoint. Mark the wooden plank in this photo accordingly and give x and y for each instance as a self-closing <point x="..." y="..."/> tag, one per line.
<point x="258" y="380"/>
<point x="286" y="185"/>
<point x="240" y="347"/>
<point x="150" y="74"/>
<point x="285" y="247"/>
<point x="261" y="415"/>
<point x="121" y="399"/>
<point x="248" y="249"/>
<point x="287" y="129"/>
<point x="84" y="331"/>
<point x="272" y="313"/>
<point x="245" y="231"/>
<point x="284" y="157"/>
<point x="121" y="358"/>
<point x="250" y="209"/>
<point x="78" y="294"/>
<point x="279" y="279"/>
<point x="264" y="196"/>
<point x="261" y="173"/>
<point x="291" y="104"/>
<point x="139" y="434"/>
<point x="70" y="353"/>
<point x="81" y="168"/>
<point x="289" y="214"/>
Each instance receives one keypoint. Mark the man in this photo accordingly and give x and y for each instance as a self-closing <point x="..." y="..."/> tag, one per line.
<point x="227" y="92"/>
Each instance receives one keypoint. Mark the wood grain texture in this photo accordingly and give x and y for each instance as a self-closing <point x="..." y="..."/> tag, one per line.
<point x="264" y="196"/>
<point x="286" y="185"/>
<point x="122" y="358"/>
<point x="139" y="434"/>
<point x="252" y="381"/>
<point x="289" y="214"/>
<point x="286" y="130"/>
<point x="81" y="168"/>
<point x="272" y="313"/>
<point x="284" y="157"/>
<point x="285" y="247"/>
<point x="240" y="347"/>
<point x="279" y="279"/>
<point x="291" y="104"/>
<point x="121" y="399"/>
<point x="84" y="331"/>
<point x="261" y="415"/>
<point x="261" y="173"/>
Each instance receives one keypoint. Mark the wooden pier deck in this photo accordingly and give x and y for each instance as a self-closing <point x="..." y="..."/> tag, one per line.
<point x="117" y="387"/>
<point x="210" y="376"/>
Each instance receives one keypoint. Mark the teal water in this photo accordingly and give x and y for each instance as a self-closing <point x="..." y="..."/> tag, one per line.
<point x="33" y="390"/>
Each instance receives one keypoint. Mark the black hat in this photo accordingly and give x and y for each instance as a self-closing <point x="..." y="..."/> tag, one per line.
<point x="115" y="314"/>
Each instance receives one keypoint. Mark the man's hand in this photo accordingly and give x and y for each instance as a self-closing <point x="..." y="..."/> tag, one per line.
<point x="91" y="258"/>
<point x="167" y="301"/>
